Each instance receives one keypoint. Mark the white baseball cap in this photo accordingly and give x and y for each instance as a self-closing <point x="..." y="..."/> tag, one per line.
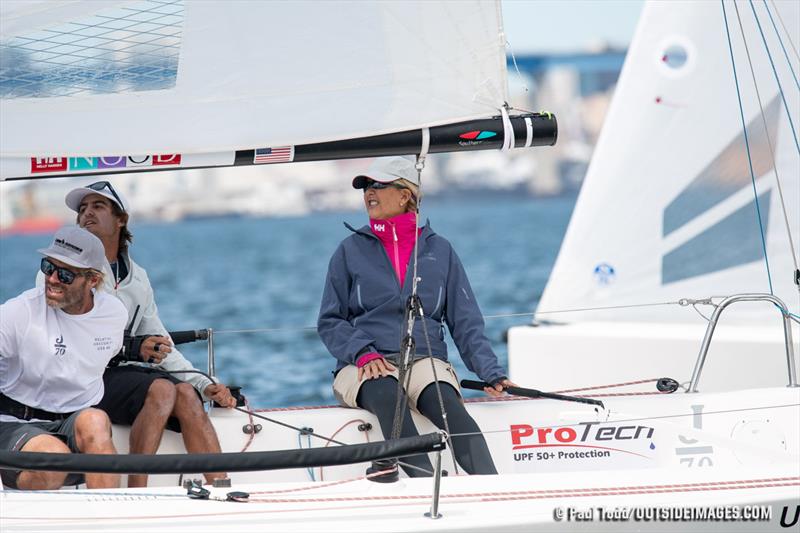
<point x="76" y="247"/>
<point x="387" y="170"/>
<point x="103" y="188"/>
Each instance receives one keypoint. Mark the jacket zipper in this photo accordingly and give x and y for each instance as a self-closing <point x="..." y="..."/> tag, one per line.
<point x="396" y="257"/>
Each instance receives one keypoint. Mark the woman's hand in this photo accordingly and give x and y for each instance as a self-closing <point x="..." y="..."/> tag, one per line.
<point x="499" y="387"/>
<point x="375" y="369"/>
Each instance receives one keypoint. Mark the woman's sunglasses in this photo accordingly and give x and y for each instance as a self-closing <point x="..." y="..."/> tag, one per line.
<point x="65" y="275"/>
<point x="377" y="185"/>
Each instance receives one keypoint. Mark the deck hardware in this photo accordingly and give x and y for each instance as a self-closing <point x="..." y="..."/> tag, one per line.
<point x="197" y="492"/>
<point x="306" y="431"/>
<point x="712" y="324"/>
<point x="365" y="426"/>
<point x="388" y="466"/>
<point x="222" y="483"/>
<point x="238" y="496"/>
<point x="667" y="385"/>
<point x="212" y="367"/>
<point x="434" y="514"/>
<point x="250" y="429"/>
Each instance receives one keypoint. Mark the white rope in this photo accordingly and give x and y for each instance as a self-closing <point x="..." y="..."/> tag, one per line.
<point x="508" y="131"/>
<point x="426" y="145"/>
<point x="528" y="132"/>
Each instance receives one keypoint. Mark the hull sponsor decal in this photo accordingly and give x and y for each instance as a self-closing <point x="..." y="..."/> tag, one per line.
<point x="582" y="446"/>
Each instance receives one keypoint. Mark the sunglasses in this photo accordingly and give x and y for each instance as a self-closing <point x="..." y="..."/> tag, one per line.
<point x="65" y="275"/>
<point x="377" y="185"/>
<point x="100" y="185"/>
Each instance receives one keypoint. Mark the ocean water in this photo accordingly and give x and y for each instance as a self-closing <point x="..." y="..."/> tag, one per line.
<point x="267" y="275"/>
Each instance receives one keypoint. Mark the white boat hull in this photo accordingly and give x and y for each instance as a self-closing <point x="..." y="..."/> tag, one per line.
<point x="677" y="451"/>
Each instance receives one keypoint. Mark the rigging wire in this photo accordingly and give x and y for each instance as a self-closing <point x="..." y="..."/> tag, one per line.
<point x="405" y="359"/>
<point x="438" y="388"/>
<point x="644" y="419"/>
<point x="682" y="302"/>
<point x="788" y="61"/>
<point x="302" y="431"/>
<point x="788" y="35"/>
<point x="514" y="60"/>
<point x="774" y="70"/>
<point x="747" y="141"/>
<point x="769" y="139"/>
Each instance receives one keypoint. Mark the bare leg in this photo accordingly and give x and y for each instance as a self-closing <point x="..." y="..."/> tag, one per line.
<point x="148" y="428"/>
<point x="93" y="435"/>
<point x="35" y="480"/>
<point x="198" y="433"/>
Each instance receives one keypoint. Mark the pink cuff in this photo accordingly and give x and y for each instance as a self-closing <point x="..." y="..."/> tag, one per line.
<point x="366" y="358"/>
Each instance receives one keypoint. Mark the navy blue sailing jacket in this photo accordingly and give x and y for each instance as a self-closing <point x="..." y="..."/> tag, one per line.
<point x="363" y="304"/>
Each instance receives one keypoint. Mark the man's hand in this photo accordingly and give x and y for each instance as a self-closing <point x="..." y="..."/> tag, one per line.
<point x="220" y="394"/>
<point x="375" y="369"/>
<point x="498" y="388"/>
<point x="155" y="348"/>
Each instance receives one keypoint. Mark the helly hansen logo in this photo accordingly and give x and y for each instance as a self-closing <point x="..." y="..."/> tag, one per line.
<point x="379" y="227"/>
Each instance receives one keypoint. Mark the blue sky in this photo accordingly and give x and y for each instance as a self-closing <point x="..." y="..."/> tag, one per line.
<point x="568" y="25"/>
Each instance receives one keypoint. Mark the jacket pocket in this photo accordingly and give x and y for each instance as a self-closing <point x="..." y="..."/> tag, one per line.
<point x="438" y="302"/>
<point x="361" y="311"/>
<point x="358" y="297"/>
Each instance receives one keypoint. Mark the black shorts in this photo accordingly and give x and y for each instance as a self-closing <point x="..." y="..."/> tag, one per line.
<point x="15" y="435"/>
<point x="126" y="389"/>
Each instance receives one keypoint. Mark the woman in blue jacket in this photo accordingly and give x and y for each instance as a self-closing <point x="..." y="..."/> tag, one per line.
<point x="361" y="315"/>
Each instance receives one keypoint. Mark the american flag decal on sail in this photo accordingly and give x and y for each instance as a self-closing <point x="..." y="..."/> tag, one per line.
<point x="277" y="154"/>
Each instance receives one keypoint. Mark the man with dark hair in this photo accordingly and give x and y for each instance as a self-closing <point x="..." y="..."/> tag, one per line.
<point x="55" y="342"/>
<point x="137" y="394"/>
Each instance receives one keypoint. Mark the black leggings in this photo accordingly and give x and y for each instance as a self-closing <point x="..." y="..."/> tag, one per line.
<point x="378" y="396"/>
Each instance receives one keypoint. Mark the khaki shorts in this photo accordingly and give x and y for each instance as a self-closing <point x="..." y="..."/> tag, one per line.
<point x="346" y="385"/>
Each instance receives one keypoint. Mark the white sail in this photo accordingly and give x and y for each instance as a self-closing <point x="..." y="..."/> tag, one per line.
<point x="203" y="79"/>
<point x="668" y="207"/>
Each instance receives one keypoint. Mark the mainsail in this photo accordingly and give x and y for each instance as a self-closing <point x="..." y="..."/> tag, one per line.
<point x="156" y="84"/>
<point x="681" y="200"/>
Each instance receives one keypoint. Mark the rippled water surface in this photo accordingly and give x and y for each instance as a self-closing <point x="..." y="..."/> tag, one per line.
<point x="241" y="274"/>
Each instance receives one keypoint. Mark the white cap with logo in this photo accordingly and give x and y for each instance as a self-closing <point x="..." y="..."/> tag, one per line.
<point x="103" y="188"/>
<point x="76" y="247"/>
<point x="387" y="170"/>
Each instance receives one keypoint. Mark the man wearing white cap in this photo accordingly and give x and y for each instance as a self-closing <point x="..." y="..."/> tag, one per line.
<point x="55" y="343"/>
<point x="143" y="396"/>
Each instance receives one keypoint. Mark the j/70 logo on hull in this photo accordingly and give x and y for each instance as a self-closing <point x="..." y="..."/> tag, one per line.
<point x="77" y="164"/>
